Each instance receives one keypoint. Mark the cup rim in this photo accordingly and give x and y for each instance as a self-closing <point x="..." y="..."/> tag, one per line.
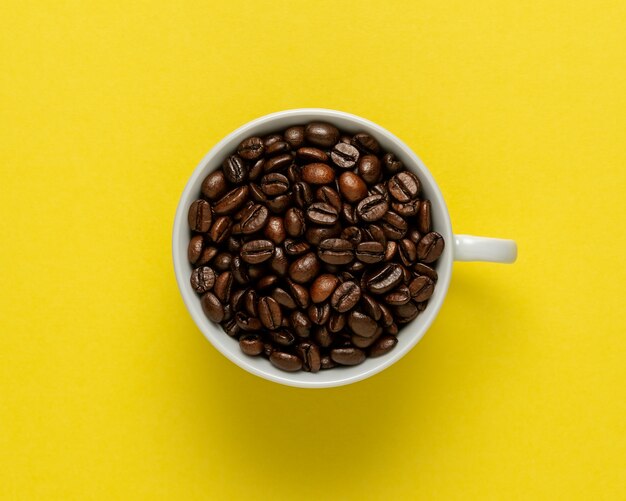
<point x="268" y="371"/>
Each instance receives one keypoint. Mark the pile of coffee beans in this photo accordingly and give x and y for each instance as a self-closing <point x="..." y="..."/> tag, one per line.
<point x="312" y="247"/>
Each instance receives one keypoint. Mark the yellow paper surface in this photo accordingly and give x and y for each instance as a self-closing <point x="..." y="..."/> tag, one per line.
<point x="109" y="391"/>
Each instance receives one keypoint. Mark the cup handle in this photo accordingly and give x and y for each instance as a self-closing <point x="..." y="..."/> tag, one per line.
<point x="493" y="250"/>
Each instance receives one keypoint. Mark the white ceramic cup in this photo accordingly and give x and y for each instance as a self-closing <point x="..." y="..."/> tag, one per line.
<point x="457" y="247"/>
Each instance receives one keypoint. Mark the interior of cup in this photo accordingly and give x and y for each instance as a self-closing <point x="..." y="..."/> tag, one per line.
<point x="229" y="347"/>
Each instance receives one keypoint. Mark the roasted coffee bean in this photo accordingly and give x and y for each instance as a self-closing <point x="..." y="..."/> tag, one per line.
<point x="245" y="208"/>
<point x="372" y="208"/>
<point x="335" y="251"/>
<point x="385" y="279"/>
<point x="369" y="169"/>
<point x="268" y="349"/>
<point x="375" y="233"/>
<point x="421" y="288"/>
<point x="253" y="219"/>
<point x="336" y="322"/>
<point x="256" y="170"/>
<point x="295" y="136"/>
<point x="212" y="307"/>
<point x="329" y="196"/>
<point x="322" y="213"/>
<point x="424" y="217"/>
<point x="430" y="247"/>
<point x="256" y="193"/>
<point x="390" y="250"/>
<point x="231" y="328"/>
<point x="370" y="252"/>
<point x="308" y="154"/>
<point x="316" y="234"/>
<point x="408" y="209"/>
<point x="293" y="174"/>
<point x="356" y="266"/>
<point x="413" y="235"/>
<point x="271" y="139"/>
<point x="283" y="298"/>
<point x="267" y="282"/>
<point x="277" y="148"/>
<point x="295" y="224"/>
<point x="232" y="201"/>
<point x="366" y="143"/>
<point x="352" y="187"/>
<point x="345" y="297"/>
<point x="344" y="156"/>
<point x="279" y="204"/>
<point x="353" y="234"/>
<point x="383" y="345"/>
<point x="237" y="299"/>
<point x="310" y="355"/>
<point x="251" y="302"/>
<point x="370" y="307"/>
<point x="407" y="251"/>
<point x="386" y="317"/>
<point x="195" y="248"/>
<point x="347" y="356"/>
<point x="405" y="313"/>
<point x="300" y="324"/>
<point x="235" y="169"/>
<point x="299" y="293"/>
<point x="322" y="336"/>
<point x="319" y="313"/>
<point x="247" y="323"/>
<point x="364" y="342"/>
<point x="279" y="262"/>
<point x="399" y="296"/>
<point x="404" y="186"/>
<point x="257" y="251"/>
<point x="199" y="216"/>
<point x="321" y="134"/>
<point x="251" y="148"/>
<point x="223" y="286"/>
<point x="424" y="269"/>
<point x="285" y="361"/>
<point x="380" y="189"/>
<point x="269" y="313"/>
<point x="251" y="344"/>
<point x="322" y="287"/>
<point x="361" y="324"/>
<point x="202" y="279"/>
<point x="327" y="363"/>
<point x="318" y="173"/>
<point x="256" y="272"/>
<point x="304" y="269"/>
<point x="275" y="230"/>
<point x="214" y="185"/>
<point x="239" y="270"/>
<point x="296" y="247"/>
<point x="302" y="195"/>
<point x="274" y="184"/>
<point x="277" y="163"/>
<point x="208" y="253"/>
<point x="221" y="229"/>
<point x="392" y="164"/>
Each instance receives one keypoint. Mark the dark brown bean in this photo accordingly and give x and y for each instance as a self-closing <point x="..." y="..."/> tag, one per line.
<point x="195" y="248"/>
<point x="251" y="302"/>
<point x="322" y="287"/>
<point x="392" y="164"/>
<point x="302" y="195"/>
<point x="404" y="186"/>
<point x="308" y="154"/>
<point x="361" y="324"/>
<point x="300" y="324"/>
<point x="277" y="163"/>
<point x="344" y="156"/>
<point x="322" y="213"/>
<point x="329" y="196"/>
<point x="366" y="143"/>
<point x="223" y="286"/>
<point x="214" y="185"/>
<point x="315" y="234"/>
<point x="323" y="337"/>
<point x="239" y="270"/>
<point x="430" y="247"/>
<point x="279" y="204"/>
<point x="295" y="136"/>
<point x="352" y="187"/>
<point x="251" y="148"/>
<point x="257" y="251"/>
<point x="383" y="345"/>
<point x="318" y="173"/>
<point x="408" y="209"/>
<point x="406" y="312"/>
<point x="407" y="251"/>
<point x="372" y="208"/>
<point x="295" y="224"/>
<point x="399" y="296"/>
<point x="270" y="313"/>
<point x="285" y="361"/>
<point x="199" y="216"/>
<point x="385" y="279"/>
<point x="321" y="134"/>
<point x="369" y="169"/>
<point x="310" y="355"/>
<point x="304" y="269"/>
<point x="299" y="293"/>
<point x="421" y="288"/>
<point x="370" y="252"/>
<point x="347" y="356"/>
<point x="253" y="219"/>
<point x="221" y="229"/>
<point x="251" y="344"/>
<point x="235" y="169"/>
<point x="202" y="279"/>
<point x="424" y="269"/>
<point x="319" y="313"/>
<point x="335" y="251"/>
<point x="247" y="323"/>
<point x="277" y="148"/>
<point x="336" y="322"/>
<point x="345" y="297"/>
<point x="370" y="307"/>
<point x="213" y="309"/>
<point x="275" y="230"/>
<point x="283" y="298"/>
<point x="274" y="184"/>
<point x="232" y="201"/>
<point x="424" y="218"/>
<point x="327" y="362"/>
<point x="279" y="262"/>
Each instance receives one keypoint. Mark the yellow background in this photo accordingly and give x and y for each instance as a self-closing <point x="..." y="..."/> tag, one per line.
<point x="109" y="391"/>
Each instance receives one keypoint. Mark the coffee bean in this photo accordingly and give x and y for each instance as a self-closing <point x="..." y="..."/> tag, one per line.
<point x="424" y="217"/>
<point x="279" y="262"/>
<point x="336" y="322"/>
<point x="231" y="328"/>
<point x="407" y="251"/>
<point x="269" y="313"/>
<point x="256" y="170"/>
<point x="300" y="324"/>
<point x="221" y="229"/>
<point x="296" y="248"/>
<point x="285" y="361"/>
<point x="369" y="169"/>
<point x="322" y="336"/>
<point x="318" y="173"/>
<point x="232" y="201"/>
<point x="370" y="252"/>
<point x="251" y="344"/>
<point x="212" y="307"/>
<point x="199" y="216"/>
<point x="251" y="148"/>
<point x="271" y="139"/>
<point x="366" y="143"/>
<point x="361" y="324"/>
<point x="370" y="307"/>
<point x="251" y="302"/>
<point x="235" y="169"/>
<point x="352" y="187"/>
<point x="327" y="362"/>
<point x="257" y="251"/>
<point x="372" y="208"/>
<point x="304" y="269"/>
<point x="335" y="251"/>
<point x="345" y="297"/>
<point x="394" y="226"/>
<point x="275" y="230"/>
<point x="391" y="164"/>
<point x="302" y="195"/>
<point x="316" y="234"/>
<point x="404" y="186"/>
<point x="408" y="209"/>
<point x="277" y="148"/>
<point x="247" y="323"/>
<point x="421" y="288"/>
<point x="347" y="356"/>
<point x="253" y="219"/>
<point x="283" y="298"/>
<point x="380" y="189"/>
<point x="279" y="204"/>
<point x="383" y="345"/>
<point x="390" y="250"/>
<point x="399" y="296"/>
<point x="274" y="184"/>
<point x="308" y="154"/>
<point x="364" y="342"/>
<point x="214" y="185"/>
<point x="430" y="247"/>
<point x="295" y="136"/>
<point x="344" y="156"/>
<point x="353" y="234"/>
<point x="322" y="213"/>
<point x="321" y="134"/>
<point x="322" y="287"/>
<point x="239" y="270"/>
<point x="267" y="282"/>
<point x="256" y="193"/>
<point x="202" y="279"/>
<point x="310" y="355"/>
<point x="299" y="293"/>
<point x="194" y="249"/>
<point x="424" y="269"/>
<point x="385" y="279"/>
<point x="329" y="196"/>
<point x="375" y="233"/>
<point x="319" y="313"/>
<point x="293" y="174"/>
<point x="223" y="286"/>
<point x="406" y="312"/>
<point x="277" y="163"/>
<point x="295" y="224"/>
